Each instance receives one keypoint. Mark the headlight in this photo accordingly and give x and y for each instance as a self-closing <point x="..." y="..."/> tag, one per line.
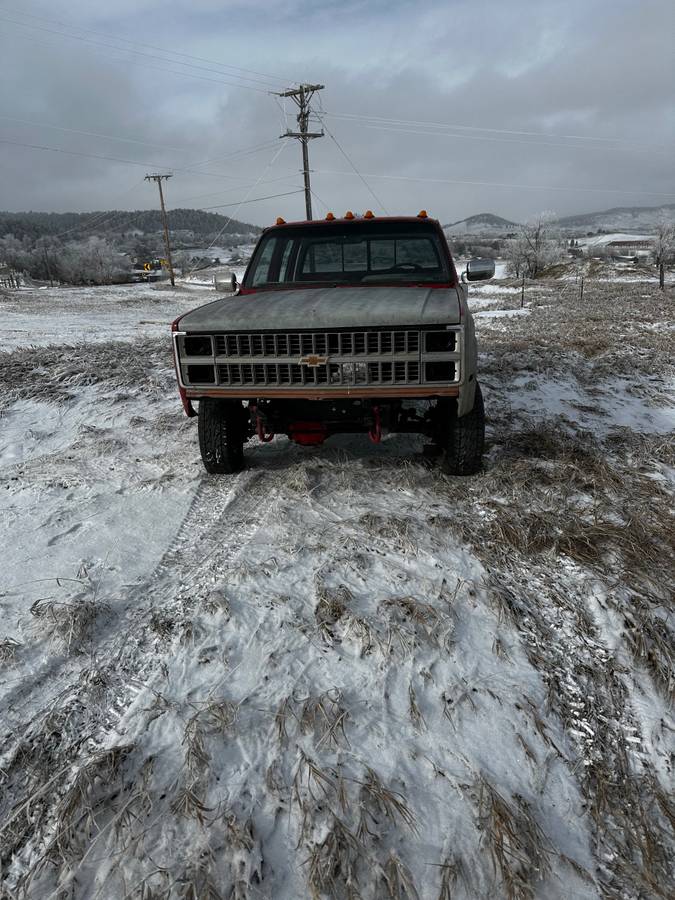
<point x="440" y="341"/>
<point x="439" y="371"/>
<point x="198" y="345"/>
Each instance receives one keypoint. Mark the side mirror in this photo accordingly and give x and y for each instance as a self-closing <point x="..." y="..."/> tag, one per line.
<point x="226" y="284"/>
<point x="480" y="269"/>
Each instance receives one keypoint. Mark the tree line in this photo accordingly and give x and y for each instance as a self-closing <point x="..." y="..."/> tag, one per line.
<point x="35" y="225"/>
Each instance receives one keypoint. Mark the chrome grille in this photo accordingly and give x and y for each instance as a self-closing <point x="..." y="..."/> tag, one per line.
<point x="338" y="343"/>
<point x="343" y="373"/>
<point x="343" y="359"/>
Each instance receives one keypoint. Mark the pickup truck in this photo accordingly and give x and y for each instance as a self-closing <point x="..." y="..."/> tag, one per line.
<point x="357" y="324"/>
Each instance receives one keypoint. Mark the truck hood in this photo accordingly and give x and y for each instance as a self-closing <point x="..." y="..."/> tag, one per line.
<point x="327" y="308"/>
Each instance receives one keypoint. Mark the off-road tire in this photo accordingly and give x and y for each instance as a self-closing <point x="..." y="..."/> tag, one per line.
<point x="463" y="440"/>
<point x="221" y="436"/>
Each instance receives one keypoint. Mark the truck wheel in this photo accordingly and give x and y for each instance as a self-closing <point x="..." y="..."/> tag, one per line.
<point x="221" y="436"/>
<point x="464" y="439"/>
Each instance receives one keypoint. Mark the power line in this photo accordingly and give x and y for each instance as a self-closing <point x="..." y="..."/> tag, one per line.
<point x="481" y="137"/>
<point x="260" y="177"/>
<point x="239" y="187"/>
<point x="145" y="165"/>
<point x="104" y="218"/>
<point x="276" y="79"/>
<point x="234" y="80"/>
<point x="344" y="153"/>
<point x="458" y="126"/>
<point x="534" y="187"/>
<point x="230" y="83"/>
<point x="109" y="137"/>
<point x="256" y="148"/>
<point x="144" y="65"/>
<point x="255" y="200"/>
<point x="322" y="202"/>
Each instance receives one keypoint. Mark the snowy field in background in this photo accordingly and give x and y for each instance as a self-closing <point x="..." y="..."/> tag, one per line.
<point x="66" y="315"/>
<point x="339" y="673"/>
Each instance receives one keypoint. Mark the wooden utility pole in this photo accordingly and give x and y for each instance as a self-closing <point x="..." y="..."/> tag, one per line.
<point x="49" y="271"/>
<point x="302" y="96"/>
<point x="165" y="222"/>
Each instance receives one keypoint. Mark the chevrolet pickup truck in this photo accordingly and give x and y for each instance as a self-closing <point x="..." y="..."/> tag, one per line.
<point x="344" y="325"/>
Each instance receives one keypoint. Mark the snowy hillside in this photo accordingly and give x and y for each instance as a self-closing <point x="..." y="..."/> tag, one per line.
<point x="621" y="218"/>
<point x="481" y="224"/>
<point x="339" y="673"/>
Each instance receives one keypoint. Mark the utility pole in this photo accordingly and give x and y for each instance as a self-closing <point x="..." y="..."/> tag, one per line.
<point x="165" y="222"/>
<point x="302" y="95"/>
<point x="49" y="271"/>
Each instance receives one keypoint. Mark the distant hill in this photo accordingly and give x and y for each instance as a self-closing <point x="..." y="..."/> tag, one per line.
<point x="619" y="218"/>
<point x="483" y="223"/>
<point x="117" y="223"/>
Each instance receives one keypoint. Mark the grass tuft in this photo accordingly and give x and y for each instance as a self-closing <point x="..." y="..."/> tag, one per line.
<point x="518" y="846"/>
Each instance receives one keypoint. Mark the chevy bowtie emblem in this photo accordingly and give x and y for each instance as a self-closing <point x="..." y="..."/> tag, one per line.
<point x="313" y="361"/>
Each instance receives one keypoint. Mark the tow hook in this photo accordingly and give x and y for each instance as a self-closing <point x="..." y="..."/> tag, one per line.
<point x="260" y="426"/>
<point x="375" y="433"/>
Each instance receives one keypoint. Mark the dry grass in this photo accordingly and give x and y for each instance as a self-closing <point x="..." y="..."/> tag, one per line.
<point x="455" y="697"/>
<point x="652" y="643"/>
<point x="77" y="813"/>
<point x="423" y="618"/>
<point x="518" y="846"/>
<point x="332" y="604"/>
<point x="377" y="800"/>
<point x="389" y="528"/>
<point x="603" y="335"/>
<point x="416" y="717"/>
<point x="212" y="716"/>
<point x="8" y="650"/>
<point x="49" y="374"/>
<point x="68" y="623"/>
<point x="324" y="716"/>
<point x="397" y="879"/>
<point x="199" y="881"/>
<point x="333" y="864"/>
<point x="365" y="632"/>
<point x="188" y="804"/>
<point x="452" y="871"/>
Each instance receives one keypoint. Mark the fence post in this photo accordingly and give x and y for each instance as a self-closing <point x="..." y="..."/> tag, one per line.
<point x="581" y="292"/>
<point x="522" y="292"/>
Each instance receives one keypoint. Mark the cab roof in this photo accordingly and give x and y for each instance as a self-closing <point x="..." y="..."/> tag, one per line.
<point x="348" y="219"/>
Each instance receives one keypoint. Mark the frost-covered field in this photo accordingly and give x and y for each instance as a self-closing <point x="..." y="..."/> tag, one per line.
<point x="340" y="673"/>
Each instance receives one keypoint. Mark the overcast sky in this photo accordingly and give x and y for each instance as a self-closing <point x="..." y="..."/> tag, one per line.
<point x="460" y="107"/>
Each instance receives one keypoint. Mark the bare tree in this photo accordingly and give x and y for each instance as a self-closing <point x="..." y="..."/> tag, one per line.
<point x="664" y="247"/>
<point x="537" y="245"/>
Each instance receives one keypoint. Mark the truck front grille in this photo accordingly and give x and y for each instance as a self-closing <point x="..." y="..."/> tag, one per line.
<point x="331" y="343"/>
<point x="331" y="360"/>
<point x="343" y="374"/>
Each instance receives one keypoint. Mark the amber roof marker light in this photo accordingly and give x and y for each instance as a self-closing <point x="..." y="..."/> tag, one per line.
<point x="349" y="214"/>
<point x="330" y="217"/>
<point x="422" y="214"/>
<point x="280" y="221"/>
<point x="369" y="214"/>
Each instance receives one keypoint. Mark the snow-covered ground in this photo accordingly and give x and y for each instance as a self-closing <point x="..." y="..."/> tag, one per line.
<point x="43" y="316"/>
<point x="339" y="673"/>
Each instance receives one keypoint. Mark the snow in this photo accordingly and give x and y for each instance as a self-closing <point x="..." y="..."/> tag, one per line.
<point x="68" y="315"/>
<point x="621" y="406"/>
<point x="603" y="239"/>
<point x="496" y="313"/>
<point x="337" y="607"/>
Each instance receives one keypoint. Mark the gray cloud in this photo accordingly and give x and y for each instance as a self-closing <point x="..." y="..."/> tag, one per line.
<point x="598" y="69"/>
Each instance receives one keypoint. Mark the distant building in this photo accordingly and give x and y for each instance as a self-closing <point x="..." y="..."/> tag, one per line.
<point x="631" y="245"/>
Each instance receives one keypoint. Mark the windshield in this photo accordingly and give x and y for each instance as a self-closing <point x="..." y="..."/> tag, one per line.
<point x="359" y="253"/>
